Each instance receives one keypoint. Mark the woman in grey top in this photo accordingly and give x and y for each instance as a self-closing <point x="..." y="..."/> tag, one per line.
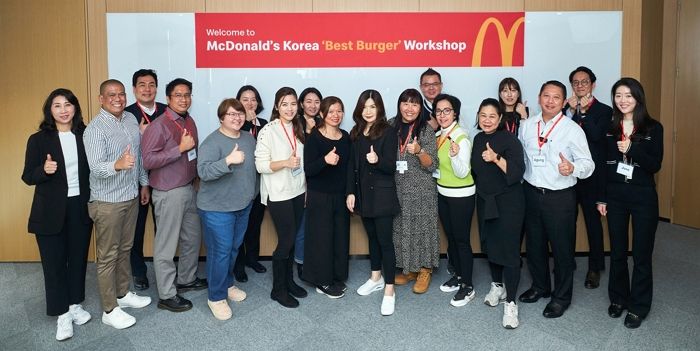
<point x="226" y="168"/>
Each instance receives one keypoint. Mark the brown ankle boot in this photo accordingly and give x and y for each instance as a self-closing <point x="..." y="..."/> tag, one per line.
<point x="403" y="279"/>
<point x="423" y="281"/>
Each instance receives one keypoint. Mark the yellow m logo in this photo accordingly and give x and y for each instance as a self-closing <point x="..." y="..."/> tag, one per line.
<point x="507" y="41"/>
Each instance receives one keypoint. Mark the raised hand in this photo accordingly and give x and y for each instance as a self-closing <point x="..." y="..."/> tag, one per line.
<point x="566" y="168"/>
<point x="372" y="156"/>
<point x="126" y="160"/>
<point x="489" y="155"/>
<point x="454" y="148"/>
<point x="624" y="145"/>
<point x="521" y="108"/>
<point x="236" y="156"/>
<point x="293" y="161"/>
<point x="50" y="166"/>
<point x="331" y="157"/>
<point x="413" y="147"/>
<point x="573" y="101"/>
<point x="142" y="126"/>
<point x="186" y="142"/>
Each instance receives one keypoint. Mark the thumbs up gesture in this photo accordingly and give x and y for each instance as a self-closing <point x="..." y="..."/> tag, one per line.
<point x="50" y="166"/>
<point x="142" y="126"/>
<point x="413" y="147"/>
<point x="332" y="158"/>
<point x="489" y="155"/>
<point x="293" y="161"/>
<point x="454" y="148"/>
<point x="186" y="142"/>
<point x="126" y="160"/>
<point x="236" y="156"/>
<point x="372" y="156"/>
<point x="566" y="168"/>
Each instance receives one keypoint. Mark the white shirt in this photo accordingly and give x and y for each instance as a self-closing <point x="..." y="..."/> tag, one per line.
<point x="566" y="138"/>
<point x="70" y="157"/>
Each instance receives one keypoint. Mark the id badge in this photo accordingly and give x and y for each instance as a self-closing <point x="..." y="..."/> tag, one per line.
<point x="296" y="171"/>
<point x="539" y="161"/>
<point x="192" y="155"/>
<point x="402" y="166"/>
<point x="436" y="174"/>
<point x="625" y="169"/>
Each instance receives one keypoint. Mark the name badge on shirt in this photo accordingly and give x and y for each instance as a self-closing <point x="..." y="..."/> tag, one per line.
<point x="192" y="155"/>
<point x="539" y="161"/>
<point x="625" y="169"/>
<point x="296" y="171"/>
<point x="402" y="166"/>
<point x="436" y="174"/>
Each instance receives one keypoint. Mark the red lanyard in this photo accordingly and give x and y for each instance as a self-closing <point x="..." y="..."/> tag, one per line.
<point x="254" y="128"/>
<point x="541" y="140"/>
<point x="442" y="139"/>
<point x="402" y="147"/>
<point x="293" y="145"/>
<point x="182" y="129"/>
<point x="622" y="132"/>
<point x="143" y="113"/>
<point x="510" y="127"/>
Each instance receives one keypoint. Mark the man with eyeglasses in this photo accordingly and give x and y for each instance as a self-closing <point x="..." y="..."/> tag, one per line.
<point x="430" y="86"/>
<point x="146" y="110"/>
<point x="594" y="117"/>
<point x="170" y="154"/>
<point x="112" y="146"/>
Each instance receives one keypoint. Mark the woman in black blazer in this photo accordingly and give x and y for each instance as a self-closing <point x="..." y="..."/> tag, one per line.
<point x="371" y="191"/>
<point x="56" y="163"/>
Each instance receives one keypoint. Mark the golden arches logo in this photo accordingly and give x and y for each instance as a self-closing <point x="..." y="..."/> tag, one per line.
<point x="507" y="40"/>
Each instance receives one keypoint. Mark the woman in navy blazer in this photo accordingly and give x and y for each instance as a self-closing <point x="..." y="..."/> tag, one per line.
<point x="56" y="164"/>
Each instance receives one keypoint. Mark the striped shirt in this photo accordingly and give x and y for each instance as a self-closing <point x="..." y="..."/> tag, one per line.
<point x="106" y="138"/>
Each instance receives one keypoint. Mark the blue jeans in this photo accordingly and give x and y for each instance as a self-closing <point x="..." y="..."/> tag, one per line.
<point x="223" y="235"/>
<point x="299" y="242"/>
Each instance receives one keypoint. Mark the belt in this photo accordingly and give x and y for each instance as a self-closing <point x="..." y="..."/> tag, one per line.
<point x="545" y="191"/>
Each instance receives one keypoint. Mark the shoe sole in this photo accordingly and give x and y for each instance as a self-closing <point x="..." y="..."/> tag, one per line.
<point x="462" y="302"/>
<point x="329" y="295"/>
<point x="132" y="306"/>
<point x="171" y="309"/>
<point x="376" y="288"/>
<point x="500" y="301"/>
<point x="116" y="327"/>
<point x="77" y="322"/>
<point x="508" y="326"/>
<point x="448" y="288"/>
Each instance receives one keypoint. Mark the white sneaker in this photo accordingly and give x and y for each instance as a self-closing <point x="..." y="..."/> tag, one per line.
<point x="220" y="309"/>
<point x="371" y="286"/>
<point x="236" y="295"/>
<point x="64" y="326"/>
<point x="496" y="295"/>
<point x="388" y="303"/>
<point x="80" y="316"/>
<point x="118" y="319"/>
<point x="510" y="315"/>
<point x="131" y="300"/>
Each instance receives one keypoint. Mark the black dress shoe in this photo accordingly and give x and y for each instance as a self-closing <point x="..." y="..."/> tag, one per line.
<point x="531" y="295"/>
<point x="592" y="280"/>
<point x="176" y="303"/>
<point x="140" y="283"/>
<point x="257" y="267"/>
<point x="632" y="320"/>
<point x="240" y="276"/>
<point x="615" y="310"/>
<point x="553" y="310"/>
<point x="197" y="284"/>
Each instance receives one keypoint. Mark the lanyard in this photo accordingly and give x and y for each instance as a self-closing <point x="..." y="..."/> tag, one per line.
<point x="540" y="139"/>
<point x="510" y="127"/>
<point x="622" y="132"/>
<point x="402" y="147"/>
<point x="144" y="114"/>
<point x="254" y="128"/>
<point x="293" y="145"/>
<point x="182" y="129"/>
<point x="442" y="139"/>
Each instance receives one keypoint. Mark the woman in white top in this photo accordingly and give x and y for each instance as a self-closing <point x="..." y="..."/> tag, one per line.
<point x="279" y="159"/>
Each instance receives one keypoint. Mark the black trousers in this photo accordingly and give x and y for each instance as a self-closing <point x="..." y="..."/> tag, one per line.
<point x="286" y="215"/>
<point x="64" y="260"/>
<point x="138" y="265"/>
<point x="327" y="239"/>
<point x="550" y="219"/>
<point x="249" y="251"/>
<point x="586" y="198"/>
<point x="382" y="254"/>
<point x="642" y="204"/>
<point x="456" y="216"/>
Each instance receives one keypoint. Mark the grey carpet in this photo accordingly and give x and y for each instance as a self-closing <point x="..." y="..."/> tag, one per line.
<point x="421" y="322"/>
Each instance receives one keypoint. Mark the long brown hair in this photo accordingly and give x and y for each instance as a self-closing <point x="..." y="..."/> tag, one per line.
<point x="296" y="123"/>
<point x="380" y="124"/>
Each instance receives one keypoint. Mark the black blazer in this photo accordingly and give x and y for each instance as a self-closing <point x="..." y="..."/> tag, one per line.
<point x="51" y="192"/>
<point x="373" y="185"/>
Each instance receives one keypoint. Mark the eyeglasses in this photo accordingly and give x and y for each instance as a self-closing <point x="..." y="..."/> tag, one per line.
<point x="181" y="96"/>
<point x="583" y="83"/>
<point x="430" y="85"/>
<point x="445" y="112"/>
<point x="234" y="114"/>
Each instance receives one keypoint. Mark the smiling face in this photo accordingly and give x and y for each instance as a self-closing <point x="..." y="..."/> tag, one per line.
<point x="233" y="120"/>
<point x="180" y="99"/>
<point x="113" y="99"/>
<point x="62" y="111"/>
<point x="430" y="86"/>
<point x="624" y="101"/>
<point x="369" y="113"/>
<point x="489" y="119"/>
<point x="287" y="107"/>
<point x="249" y="101"/>
<point x="444" y="113"/>
<point x="145" y="90"/>
<point x="334" y="116"/>
<point x="509" y="95"/>
<point x="409" y="111"/>
<point x="582" y="85"/>
<point x="311" y="105"/>
<point x="551" y="101"/>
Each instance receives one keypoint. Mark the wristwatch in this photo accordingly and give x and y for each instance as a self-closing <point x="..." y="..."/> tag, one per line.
<point x="498" y="157"/>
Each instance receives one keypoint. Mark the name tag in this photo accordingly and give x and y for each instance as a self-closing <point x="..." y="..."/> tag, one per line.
<point x="539" y="161"/>
<point x="192" y="154"/>
<point x="402" y="166"/>
<point x="625" y="169"/>
<point x="296" y="171"/>
<point x="436" y="174"/>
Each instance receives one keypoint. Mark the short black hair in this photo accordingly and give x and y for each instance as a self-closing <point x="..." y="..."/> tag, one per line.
<point x="454" y="101"/>
<point x="175" y="82"/>
<point x="585" y="70"/>
<point x="556" y="83"/>
<point x="430" y="72"/>
<point x="143" y="73"/>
